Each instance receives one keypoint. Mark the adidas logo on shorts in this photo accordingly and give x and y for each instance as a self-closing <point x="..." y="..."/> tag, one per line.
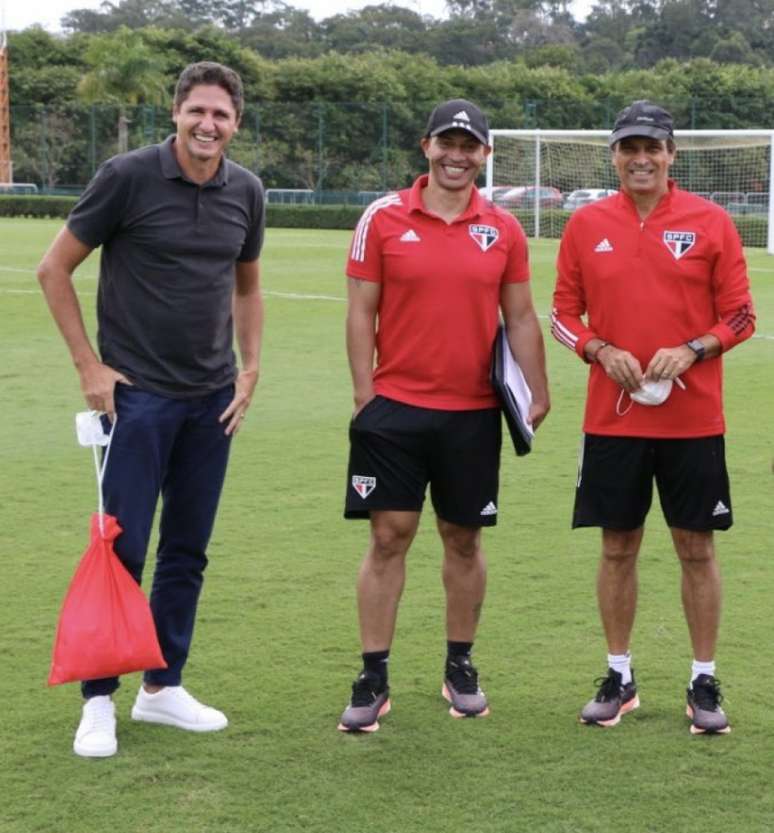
<point x="489" y="509"/>
<point x="720" y="509"/>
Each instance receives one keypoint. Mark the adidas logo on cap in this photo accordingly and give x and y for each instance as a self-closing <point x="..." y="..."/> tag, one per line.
<point x="462" y="115"/>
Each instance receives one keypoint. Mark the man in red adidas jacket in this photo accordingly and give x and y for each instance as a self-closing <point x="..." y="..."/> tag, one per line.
<point x="660" y="276"/>
<point x="430" y="268"/>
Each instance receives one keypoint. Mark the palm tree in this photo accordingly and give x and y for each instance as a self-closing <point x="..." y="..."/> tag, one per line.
<point x="125" y="71"/>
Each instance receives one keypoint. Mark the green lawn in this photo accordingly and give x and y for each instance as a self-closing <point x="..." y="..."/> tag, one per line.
<point x="276" y="644"/>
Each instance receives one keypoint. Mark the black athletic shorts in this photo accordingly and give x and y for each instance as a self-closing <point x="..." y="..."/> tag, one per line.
<point x="397" y="449"/>
<point x="615" y="482"/>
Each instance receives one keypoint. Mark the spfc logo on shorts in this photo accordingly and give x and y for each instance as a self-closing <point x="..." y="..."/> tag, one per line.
<point x="363" y="485"/>
<point x="679" y="242"/>
<point x="485" y="236"/>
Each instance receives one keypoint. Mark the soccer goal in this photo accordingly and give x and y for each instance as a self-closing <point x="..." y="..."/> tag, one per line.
<point x="542" y="175"/>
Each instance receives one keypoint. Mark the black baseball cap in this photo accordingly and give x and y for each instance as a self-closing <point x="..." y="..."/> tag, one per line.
<point x="642" y="118"/>
<point x="458" y="114"/>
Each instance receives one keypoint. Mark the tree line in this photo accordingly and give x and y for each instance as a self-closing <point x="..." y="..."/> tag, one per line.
<point x="618" y="34"/>
<point x="333" y="120"/>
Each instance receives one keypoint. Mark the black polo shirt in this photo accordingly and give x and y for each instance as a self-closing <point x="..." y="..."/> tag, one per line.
<point x="166" y="275"/>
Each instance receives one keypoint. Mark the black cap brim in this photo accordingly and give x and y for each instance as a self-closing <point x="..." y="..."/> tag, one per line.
<point x="455" y="125"/>
<point x="637" y="130"/>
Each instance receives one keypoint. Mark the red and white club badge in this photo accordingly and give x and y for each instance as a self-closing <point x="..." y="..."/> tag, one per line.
<point x="363" y="485"/>
<point x="485" y="236"/>
<point x="679" y="242"/>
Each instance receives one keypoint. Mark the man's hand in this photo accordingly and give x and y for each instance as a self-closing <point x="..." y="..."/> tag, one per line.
<point x="98" y="383"/>
<point x="361" y="400"/>
<point x="670" y="362"/>
<point x="621" y="366"/>
<point x="243" y="394"/>
<point x="538" y="411"/>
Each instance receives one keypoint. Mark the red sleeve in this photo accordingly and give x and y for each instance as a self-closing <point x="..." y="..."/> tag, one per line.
<point x="567" y="326"/>
<point x="365" y="252"/>
<point x="517" y="264"/>
<point x="733" y="302"/>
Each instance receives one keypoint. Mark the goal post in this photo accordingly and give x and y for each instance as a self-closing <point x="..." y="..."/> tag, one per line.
<point x="534" y="172"/>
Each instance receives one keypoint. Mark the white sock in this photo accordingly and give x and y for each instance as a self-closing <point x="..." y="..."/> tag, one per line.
<point x="622" y="663"/>
<point x="702" y="668"/>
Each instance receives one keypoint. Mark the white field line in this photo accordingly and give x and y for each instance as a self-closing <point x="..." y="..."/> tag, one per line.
<point x="290" y="296"/>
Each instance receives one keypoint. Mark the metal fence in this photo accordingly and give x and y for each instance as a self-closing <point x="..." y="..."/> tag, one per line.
<point x="316" y="148"/>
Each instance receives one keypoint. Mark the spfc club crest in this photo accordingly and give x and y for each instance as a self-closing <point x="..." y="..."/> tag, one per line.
<point x="679" y="242"/>
<point x="485" y="236"/>
<point x="363" y="485"/>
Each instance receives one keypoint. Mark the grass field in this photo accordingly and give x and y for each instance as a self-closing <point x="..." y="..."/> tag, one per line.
<point x="276" y="644"/>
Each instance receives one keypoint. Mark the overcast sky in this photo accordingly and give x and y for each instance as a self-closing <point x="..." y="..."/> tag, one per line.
<point x="19" y="14"/>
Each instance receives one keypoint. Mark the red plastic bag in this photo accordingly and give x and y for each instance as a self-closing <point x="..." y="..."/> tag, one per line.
<point x="105" y="628"/>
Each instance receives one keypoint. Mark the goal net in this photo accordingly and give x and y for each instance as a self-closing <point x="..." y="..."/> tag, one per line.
<point x="544" y="175"/>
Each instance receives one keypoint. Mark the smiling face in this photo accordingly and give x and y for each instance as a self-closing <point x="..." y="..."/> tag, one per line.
<point x="643" y="165"/>
<point x="206" y="120"/>
<point x="455" y="157"/>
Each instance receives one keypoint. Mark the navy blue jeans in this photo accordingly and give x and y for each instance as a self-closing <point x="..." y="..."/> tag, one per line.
<point x="175" y="448"/>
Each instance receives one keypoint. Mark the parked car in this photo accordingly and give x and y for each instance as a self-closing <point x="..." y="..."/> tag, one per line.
<point x="584" y="196"/>
<point x="498" y="191"/>
<point x="526" y="196"/>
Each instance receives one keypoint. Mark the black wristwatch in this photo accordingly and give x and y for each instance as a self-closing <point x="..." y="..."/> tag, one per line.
<point x="697" y="348"/>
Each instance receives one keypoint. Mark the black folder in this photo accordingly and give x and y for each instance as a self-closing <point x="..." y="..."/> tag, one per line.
<point x="513" y="392"/>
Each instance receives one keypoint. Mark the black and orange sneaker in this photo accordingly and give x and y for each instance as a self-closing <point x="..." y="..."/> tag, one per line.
<point x="703" y="699"/>
<point x="370" y="701"/>
<point x="612" y="701"/>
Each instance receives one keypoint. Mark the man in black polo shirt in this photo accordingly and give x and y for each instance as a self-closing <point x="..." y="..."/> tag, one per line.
<point x="181" y="228"/>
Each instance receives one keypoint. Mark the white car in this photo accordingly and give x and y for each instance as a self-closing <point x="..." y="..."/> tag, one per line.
<point x="584" y="196"/>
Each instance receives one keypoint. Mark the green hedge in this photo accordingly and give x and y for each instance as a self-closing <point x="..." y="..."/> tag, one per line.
<point x="277" y="216"/>
<point x="313" y="216"/>
<point x="31" y="206"/>
<point x="752" y="228"/>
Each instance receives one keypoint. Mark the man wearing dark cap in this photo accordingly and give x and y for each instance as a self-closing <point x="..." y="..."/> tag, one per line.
<point x="652" y="289"/>
<point x="430" y="268"/>
<point x="180" y="228"/>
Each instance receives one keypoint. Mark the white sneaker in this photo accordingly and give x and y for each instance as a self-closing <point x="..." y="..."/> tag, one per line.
<point x="96" y="735"/>
<point x="174" y="706"/>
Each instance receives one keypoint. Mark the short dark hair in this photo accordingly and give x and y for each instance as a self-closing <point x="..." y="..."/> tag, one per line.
<point x="209" y="72"/>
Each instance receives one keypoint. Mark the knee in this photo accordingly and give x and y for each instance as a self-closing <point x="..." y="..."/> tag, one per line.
<point x="621" y="550"/>
<point x="461" y="544"/>
<point x="693" y="548"/>
<point x="389" y="543"/>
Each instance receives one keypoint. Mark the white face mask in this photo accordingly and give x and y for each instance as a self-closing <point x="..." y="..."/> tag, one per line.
<point x="650" y="392"/>
<point x="89" y="428"/>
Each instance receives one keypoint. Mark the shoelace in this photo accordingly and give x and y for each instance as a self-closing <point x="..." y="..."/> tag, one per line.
<point x="609" y="688"/>
<point x="463" y="676"/>
<point x="706" y="694"/>
<point x="365" y="690"/>
<point x="187" y="698"/>
<point x="101" y="717"/>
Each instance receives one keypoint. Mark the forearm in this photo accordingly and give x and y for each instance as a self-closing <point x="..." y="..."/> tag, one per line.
<point x="248" y="328"/>
<point x="361" y="346"/>
<point x="525" y="339"/>
<point x="65" y="309"/>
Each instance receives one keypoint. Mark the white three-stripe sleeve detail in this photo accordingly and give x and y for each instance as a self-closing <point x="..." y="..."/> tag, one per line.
<point x="561" y="333"/>
<point x="364" y="224"/>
